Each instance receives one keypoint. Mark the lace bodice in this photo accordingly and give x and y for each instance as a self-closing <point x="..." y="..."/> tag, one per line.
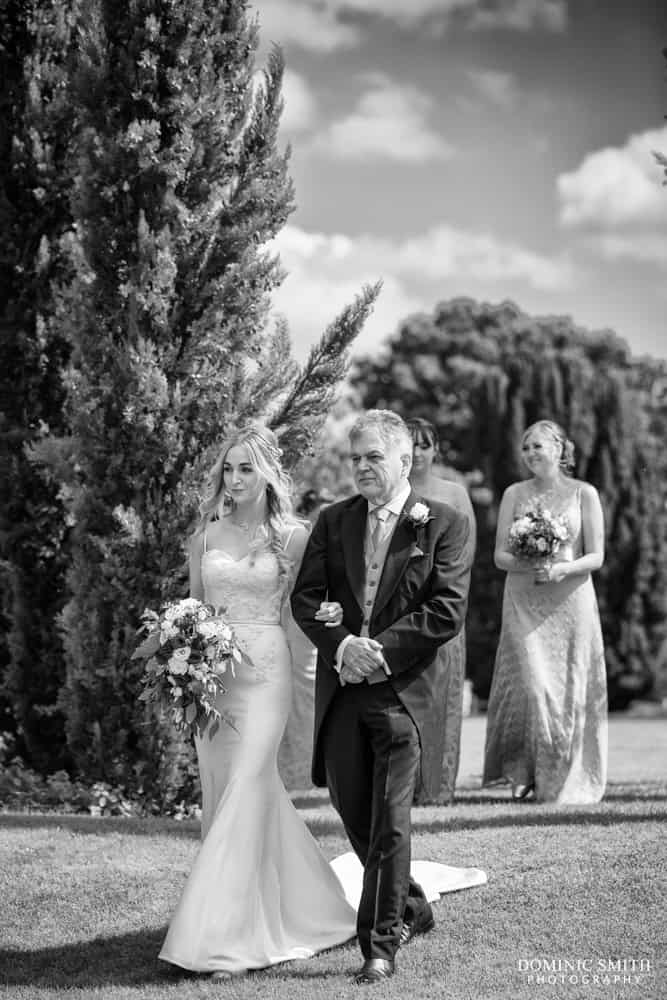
<point x="247" y="589"/>
<point x="567" y="505"/>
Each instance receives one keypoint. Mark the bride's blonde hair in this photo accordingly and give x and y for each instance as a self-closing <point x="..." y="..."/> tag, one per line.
<point x="265" y="456"/>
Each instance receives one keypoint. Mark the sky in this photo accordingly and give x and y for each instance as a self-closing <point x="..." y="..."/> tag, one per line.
<point x="497" y="149"/>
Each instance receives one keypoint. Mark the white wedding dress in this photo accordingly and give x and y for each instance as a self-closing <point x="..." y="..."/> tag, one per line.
<point x="260" y="891"/>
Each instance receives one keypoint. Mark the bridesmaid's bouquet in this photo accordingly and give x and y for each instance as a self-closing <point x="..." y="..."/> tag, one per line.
<point x="537" y="534"/>
<point x="187" y="648"/>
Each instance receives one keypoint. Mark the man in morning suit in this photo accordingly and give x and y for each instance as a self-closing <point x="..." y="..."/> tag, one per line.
<point x="396" y="566"/>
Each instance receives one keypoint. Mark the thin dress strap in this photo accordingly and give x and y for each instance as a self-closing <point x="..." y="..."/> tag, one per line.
<point x="205" y="538"/>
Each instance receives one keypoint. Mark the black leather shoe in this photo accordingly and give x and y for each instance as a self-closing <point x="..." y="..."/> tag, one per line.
<point x="421" y="924"/>
<point x="374" y="970"/>
<point x="520" y="792"/>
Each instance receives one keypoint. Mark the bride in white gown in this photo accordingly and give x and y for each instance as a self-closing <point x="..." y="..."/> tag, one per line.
<point x="260" y="891"/>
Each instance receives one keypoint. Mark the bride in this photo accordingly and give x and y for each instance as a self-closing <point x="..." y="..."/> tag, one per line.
<point x="260" y="891"/>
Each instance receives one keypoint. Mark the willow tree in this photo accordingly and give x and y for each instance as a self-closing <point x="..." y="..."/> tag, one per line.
<point x="180" y="187"/>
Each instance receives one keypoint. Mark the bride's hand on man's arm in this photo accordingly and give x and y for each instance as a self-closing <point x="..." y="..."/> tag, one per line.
<point x="331" y="613"/>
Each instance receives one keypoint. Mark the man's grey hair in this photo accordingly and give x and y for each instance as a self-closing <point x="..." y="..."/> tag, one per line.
<point x="391" y="428"/>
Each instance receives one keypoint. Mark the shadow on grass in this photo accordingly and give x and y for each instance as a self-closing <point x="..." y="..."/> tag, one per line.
<point x="527" y="815"/>
<point x="100" y="825"/>
<point x="121" y="960"/>
<point x="617" y="793"/>
<point x="124" y="959"/>
<point x="472" y="810"/>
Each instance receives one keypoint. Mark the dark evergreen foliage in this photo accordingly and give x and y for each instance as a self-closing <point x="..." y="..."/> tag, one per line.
<point x="178" y="188"/>
<point x="36" y="52"/>
<point x="313" y="391"/>
<point x="179" y="185"/>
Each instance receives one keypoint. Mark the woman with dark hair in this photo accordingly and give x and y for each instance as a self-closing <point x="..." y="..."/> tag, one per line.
<point x="442" y="735"/>
<point x="312" y="502"/>
<point x="547" y="712"/>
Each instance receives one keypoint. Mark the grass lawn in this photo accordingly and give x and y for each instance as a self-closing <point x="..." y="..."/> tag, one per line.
<point x="85" y="901"/>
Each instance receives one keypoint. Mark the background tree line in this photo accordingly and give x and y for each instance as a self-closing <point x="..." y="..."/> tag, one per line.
<point x="141" y="184"/>
<point x="482" y="373"/>
<point x="142" y="181"/>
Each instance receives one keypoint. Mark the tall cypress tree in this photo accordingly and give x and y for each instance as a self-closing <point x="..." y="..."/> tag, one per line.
<point x="180" y="187"/>
<point x="36" y="49"/>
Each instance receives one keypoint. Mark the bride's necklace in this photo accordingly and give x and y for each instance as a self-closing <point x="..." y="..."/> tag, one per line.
<point x="248" y="528"/>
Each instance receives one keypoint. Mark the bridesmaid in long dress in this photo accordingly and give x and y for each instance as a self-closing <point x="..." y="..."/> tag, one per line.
<point x="547" y="710"/>
<point x="442" y="735"/>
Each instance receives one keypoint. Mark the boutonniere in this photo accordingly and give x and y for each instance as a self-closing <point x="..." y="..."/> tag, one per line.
<point x="419" y="514"/>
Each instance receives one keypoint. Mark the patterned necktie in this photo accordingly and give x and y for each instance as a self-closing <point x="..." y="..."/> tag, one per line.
<point x="380" y="516"/>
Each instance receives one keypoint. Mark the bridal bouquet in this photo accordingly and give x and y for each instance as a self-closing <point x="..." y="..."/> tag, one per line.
<point x="537" y="534"/>
<point x="187" y="649"/>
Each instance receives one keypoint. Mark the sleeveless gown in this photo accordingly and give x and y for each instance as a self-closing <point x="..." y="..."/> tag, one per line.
<point x="547" y="710"/>
<point x="260" y="891"/>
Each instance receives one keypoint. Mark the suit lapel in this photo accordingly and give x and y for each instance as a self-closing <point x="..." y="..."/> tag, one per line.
<point x="402" y="548"/>
<point x="353" y="531"/>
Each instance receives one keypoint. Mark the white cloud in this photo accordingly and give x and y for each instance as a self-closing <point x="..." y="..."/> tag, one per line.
<point x="447" y="252"/>
<point x="494" y="86"/>
<point x="442" y="252"/>
<point x="616" y="187"/>
<point x="647" y="247"/>
<point x="390" y="121"/>
<point x="308" y="25"/>
<point x="405" y="13"/>
<point x="327" y="25"/>
<point x="300" y="105"/>
<point x="311" y="300"/>
<point x="522" y="15"/>
<point x="617" y="200"/>
<point x="325" y="271"/>
<point x="514" y="15"/>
